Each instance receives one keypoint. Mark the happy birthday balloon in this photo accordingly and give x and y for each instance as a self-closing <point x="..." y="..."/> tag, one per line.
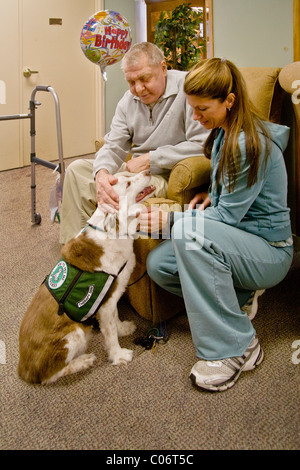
<point x="105" y="38"/>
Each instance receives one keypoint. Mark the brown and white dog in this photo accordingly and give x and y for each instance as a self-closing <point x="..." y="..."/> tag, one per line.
<point x="52" y="345"/>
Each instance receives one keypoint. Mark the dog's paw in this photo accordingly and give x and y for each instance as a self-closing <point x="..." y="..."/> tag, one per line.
<point x="82" y="362"/>
<point x="126" y="328"/>
<point x="123" y="356"/>
<point x="88" y="359"/>
<point x="79" y="363"/>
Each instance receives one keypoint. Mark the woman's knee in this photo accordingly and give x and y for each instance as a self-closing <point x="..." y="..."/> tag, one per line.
<point x="153" y="263"/>
<point x="162" y="268"/>
<point x="160" y="262"/>
<point x="188" y="233"/>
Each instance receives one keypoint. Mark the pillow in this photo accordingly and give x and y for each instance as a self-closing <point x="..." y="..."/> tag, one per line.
<point x="264" y="90"/>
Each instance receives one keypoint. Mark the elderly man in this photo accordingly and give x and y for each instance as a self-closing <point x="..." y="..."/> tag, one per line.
<point x="152" y="122"/>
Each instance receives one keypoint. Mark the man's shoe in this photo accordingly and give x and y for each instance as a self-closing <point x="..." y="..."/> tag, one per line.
<point x="221" y="375"/>
<point x="252" y="305"/>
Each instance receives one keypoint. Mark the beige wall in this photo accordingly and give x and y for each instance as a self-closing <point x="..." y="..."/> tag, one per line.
<point x="254" y="33"/>
<point x="116" y="85"/>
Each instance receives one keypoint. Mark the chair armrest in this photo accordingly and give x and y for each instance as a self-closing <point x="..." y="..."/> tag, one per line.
<point x="186" y="177"/>
<point x="99" y="143"/>
<point x="167" y="205"/>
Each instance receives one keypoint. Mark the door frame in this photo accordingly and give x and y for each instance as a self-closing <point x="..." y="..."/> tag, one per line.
<point x="100" y="92"/>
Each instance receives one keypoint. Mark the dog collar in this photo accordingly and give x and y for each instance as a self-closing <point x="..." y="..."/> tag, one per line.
<point x="92" y="226"/>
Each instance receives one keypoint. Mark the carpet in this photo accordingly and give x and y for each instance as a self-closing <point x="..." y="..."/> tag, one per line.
<point x="150" y="404"/>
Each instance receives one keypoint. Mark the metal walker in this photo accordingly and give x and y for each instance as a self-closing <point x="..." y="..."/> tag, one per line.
<point x="36" y="217"/>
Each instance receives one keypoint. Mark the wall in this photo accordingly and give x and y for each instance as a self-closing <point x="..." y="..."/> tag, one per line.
<point x="256" y="33"/>
<point x="250" y="33"/>
<point x="116" y="84"/>
<point x="259" y="33"/>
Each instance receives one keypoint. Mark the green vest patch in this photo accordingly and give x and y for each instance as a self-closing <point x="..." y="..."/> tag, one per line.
<point x="78" y="293"/>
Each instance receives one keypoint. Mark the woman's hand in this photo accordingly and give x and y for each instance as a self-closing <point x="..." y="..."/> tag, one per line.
<point x="152" y="219"/>
<point x="200" y="199"/>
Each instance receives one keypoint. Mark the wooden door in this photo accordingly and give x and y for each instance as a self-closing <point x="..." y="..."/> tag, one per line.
<point x="9" y="80"/>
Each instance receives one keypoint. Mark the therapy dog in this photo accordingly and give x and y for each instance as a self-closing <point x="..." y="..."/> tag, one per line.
<point x="54" y="332"/>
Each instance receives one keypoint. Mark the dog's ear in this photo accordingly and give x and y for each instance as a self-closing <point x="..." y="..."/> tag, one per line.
<point x="111" y="224"/>
<point x="83" y="253"/>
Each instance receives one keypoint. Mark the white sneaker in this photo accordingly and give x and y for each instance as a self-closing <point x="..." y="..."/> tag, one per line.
<point x="221" y="375"/>
<point x="251" y="306"/>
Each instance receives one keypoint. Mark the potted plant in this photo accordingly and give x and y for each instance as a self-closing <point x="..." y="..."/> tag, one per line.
<point x="177" y="34"/>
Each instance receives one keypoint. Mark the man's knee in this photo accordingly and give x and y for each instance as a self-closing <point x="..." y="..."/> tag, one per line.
<point x="80" y="167"/>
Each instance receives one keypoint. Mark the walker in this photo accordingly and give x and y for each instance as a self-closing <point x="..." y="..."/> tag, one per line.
<point x="36" y="217"/>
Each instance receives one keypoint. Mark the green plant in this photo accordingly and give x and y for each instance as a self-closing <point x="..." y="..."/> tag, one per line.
<point x="176" y="34"/>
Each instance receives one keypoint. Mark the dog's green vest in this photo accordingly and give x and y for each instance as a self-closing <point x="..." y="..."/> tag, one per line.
<point x="78" y="293"/>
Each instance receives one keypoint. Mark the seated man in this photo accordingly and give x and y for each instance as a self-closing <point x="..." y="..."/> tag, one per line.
<point x="152" y="122"/>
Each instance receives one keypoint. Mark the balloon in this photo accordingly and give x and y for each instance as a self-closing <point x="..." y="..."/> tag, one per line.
<point x="105" y="38"/>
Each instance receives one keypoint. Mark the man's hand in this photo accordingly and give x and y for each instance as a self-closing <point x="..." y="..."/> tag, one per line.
<point x="137" y="164"/>
<point x="107" y="199"/>
<point x="200" y="198"/>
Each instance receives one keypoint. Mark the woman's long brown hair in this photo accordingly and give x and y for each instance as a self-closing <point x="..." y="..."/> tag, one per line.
<point x="215" y="79"/>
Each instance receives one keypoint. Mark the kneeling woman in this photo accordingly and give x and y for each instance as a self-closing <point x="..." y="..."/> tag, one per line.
<point x="236" y="239"/>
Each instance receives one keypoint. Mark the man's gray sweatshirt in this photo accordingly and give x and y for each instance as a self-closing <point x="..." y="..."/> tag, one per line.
<point x="166" y="130"/>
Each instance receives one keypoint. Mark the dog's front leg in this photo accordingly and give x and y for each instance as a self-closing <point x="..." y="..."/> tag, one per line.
<point x="125" y="328"/>
<point x="108" y="319"/>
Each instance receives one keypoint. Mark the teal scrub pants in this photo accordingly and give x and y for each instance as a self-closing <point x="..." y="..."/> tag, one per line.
<point x="215" y="267"/>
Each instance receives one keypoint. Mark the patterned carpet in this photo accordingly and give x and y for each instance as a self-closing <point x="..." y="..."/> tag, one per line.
<point x="151" y="403"/>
